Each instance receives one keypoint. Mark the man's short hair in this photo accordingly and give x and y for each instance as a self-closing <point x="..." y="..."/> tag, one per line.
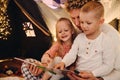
<point x="76" y="4"/>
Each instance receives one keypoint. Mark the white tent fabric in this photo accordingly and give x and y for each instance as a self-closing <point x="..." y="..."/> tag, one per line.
<point x="112" y="9"/>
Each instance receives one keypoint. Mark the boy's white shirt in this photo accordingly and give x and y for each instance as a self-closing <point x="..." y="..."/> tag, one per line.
<point x="115" y="35"/>
<point x="93" y="60"/>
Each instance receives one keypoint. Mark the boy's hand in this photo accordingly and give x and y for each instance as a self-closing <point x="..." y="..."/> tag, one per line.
<point x="87" y="75"/>
<point x="73" y="76"/>
<point x="84" y="75"/>
<point x="60" y="65"/>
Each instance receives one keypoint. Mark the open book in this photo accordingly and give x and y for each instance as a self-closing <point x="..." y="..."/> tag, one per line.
<point x="51" y="70"/>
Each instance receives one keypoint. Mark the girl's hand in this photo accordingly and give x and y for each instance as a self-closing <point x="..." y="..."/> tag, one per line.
<point x="34" y="70"/>
<point x="46" y="59"/>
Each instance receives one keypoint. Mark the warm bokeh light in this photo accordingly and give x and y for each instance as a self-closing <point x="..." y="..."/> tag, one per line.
<point x="4" y="21"/>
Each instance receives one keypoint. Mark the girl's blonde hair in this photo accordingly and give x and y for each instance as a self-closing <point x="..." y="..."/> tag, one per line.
<point x="68" y="22"/>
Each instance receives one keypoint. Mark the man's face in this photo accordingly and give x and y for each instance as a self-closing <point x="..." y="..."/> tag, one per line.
<point x="74" y="14"/>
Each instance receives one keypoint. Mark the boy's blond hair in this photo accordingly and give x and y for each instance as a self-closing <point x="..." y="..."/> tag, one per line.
<point x="95" y="7"/>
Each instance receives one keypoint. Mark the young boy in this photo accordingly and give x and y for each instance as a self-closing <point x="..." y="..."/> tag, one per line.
<point x="92" y="48"/>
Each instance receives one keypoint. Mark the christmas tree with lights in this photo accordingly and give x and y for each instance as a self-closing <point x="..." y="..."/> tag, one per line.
<point x="4" y="21"/>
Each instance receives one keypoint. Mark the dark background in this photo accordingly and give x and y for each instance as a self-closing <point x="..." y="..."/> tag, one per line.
<point x="18" y="44"/>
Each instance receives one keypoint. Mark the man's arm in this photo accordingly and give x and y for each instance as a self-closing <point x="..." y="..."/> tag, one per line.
<point x="114" y="75"/>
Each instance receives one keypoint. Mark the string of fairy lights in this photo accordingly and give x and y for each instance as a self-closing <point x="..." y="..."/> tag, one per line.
<point x="5" y="29"/>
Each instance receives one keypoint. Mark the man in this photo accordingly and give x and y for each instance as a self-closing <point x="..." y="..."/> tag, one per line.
<point x="73" y="7"/>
